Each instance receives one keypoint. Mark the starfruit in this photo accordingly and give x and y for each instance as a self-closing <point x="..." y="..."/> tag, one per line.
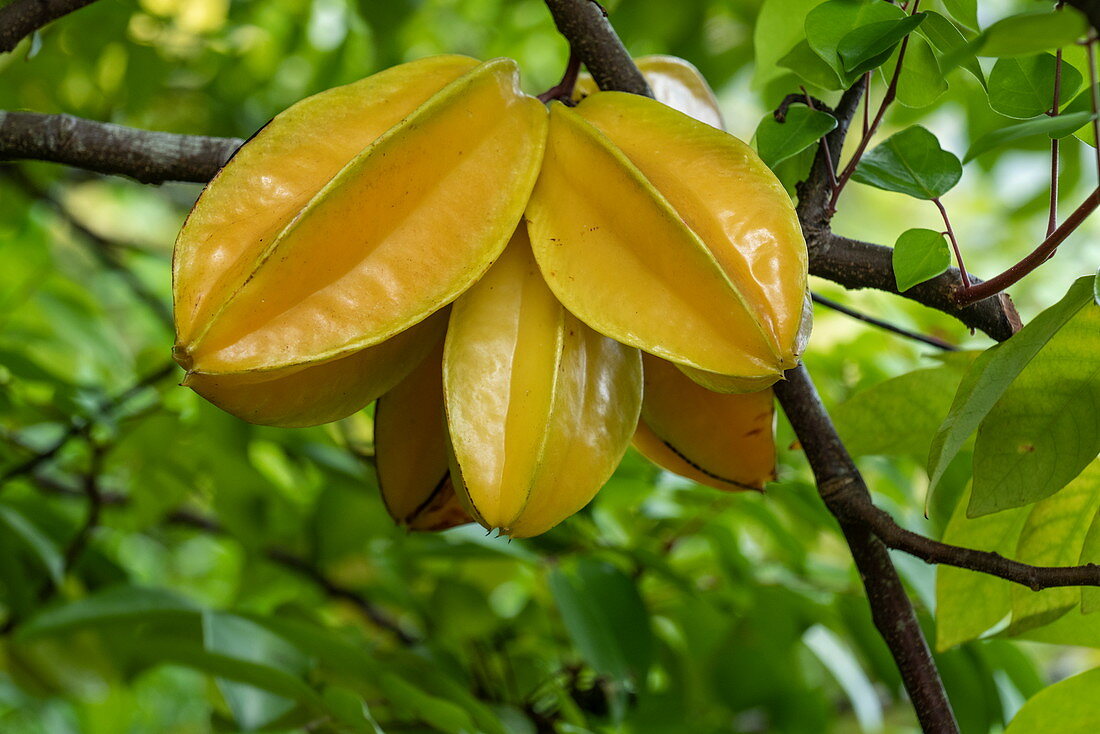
<point x="722" y="441"/>
<point x="410" y="448"/>
<point x="304" y="275"/>
<point x="669" y="235"/>
<point x="540" y="407"/>
<point x="674" y="82"/>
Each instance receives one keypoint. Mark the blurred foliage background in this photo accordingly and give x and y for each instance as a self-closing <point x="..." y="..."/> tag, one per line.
<point x="243" y="578"/>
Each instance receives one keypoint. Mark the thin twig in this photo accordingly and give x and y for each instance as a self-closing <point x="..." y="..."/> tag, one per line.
<point x="1042" y="253"/>
<point x="90" y="486"/>
<point x="891" y="93"/>
<point x="950" y="232"/>
<point x="1094" y="98"/>
<point x="1052" y="217"/>
<point x="370" y="610"/>
<point x="886" y="325"/>
<point x="21" y="18"/>
<point x="824" y="147"/>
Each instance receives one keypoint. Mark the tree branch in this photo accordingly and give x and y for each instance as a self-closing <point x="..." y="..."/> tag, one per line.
<point x="21" y="18"/>
<point x="584" y="24"/>
<point x="838" y="480"/>
<point x="855" y="265"/>
<point x="150" y="157"/>
<point x="885" y="325"/>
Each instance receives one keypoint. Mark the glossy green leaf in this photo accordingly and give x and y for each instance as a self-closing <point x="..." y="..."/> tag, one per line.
<point x="778" y="29"/>
<point x="897" y="417"/>
<point x="992" y="373"/>
<point x="1023" y="86"/>
<point x="1083" y="103"/>
<point x="777" y="141"/>
<point x="112" y="606"/>
<point x="964" y="11"/>
<point x="830" y="22"/>
<point x="37" y="542"/>
<point x="1044" y="430"/>
<point x="1055" y="127"/>
<point x="239" y="638"/>
<point x="1054" y="535"/>
<point x="868" y="46"/>
<point x="910" y="162"/>
<point x="919" y="255"/>
<point x="606" y="618"/>
<point x="1020" y="35"/>
<point x="921" y="82"/>
<point x="953" y="46"/>
<point x="810" y="67"/>
<point x="1090" y="553"/>
<point x="1070" y="706"/>
<point x="969" y="603"/>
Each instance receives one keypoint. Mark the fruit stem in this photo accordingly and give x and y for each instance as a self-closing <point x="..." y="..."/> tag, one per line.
<point x="563" y="90"/>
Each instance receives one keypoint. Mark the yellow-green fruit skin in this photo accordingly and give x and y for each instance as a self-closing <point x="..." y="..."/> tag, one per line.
<point x="540" y="409"/>
<point x="620" y="257"/>
<point x="727" y="196"/>
<point x="723" y="441"/>
<point x="410" y="444"/>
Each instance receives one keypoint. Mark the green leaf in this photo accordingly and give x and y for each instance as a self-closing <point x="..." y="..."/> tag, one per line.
<point x="992" y="373"/>
<point x="921" y="82"/>
<point x="952" y="44"/>
<point x="606" y="618"/>
<point x="242" y="639"/>
<point x="35" y="540"/>
<point x="1070" y="706"/>
<point x="1043" y="431"/>
<point x="1023" y="87"/>
<point x="897" y="417"/>
<point x="810" y="67"/>
<point x="777" y="141"/>
<point x="868" y="46"/>
<point x="1029" y="33"/>
<point x="1055" y="127"/>
<point x="964" y="11"/>
<point x="830" y="22"/>
<point x="778" y="29"/>
<point x="919" y="255"/>
<point x="1082" y="103"/>
<point x="969" y="603"/>
<point x="112" y="606"/>
<point x="1054" y="535"/>
<point x="1090" y="553"/>
<point x="910" y="162"/>
<point x="432" y="710"/>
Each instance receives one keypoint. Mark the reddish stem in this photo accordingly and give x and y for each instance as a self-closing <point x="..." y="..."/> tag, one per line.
<point x="967" y="295"/>
<point x="891" y="93"/>
<point x="563" y="90"/>
<point x="1090" y="48"/>
<point x="954" y="243"/>
<point x="821" y="142"/>
<point x="1052" y="218"/>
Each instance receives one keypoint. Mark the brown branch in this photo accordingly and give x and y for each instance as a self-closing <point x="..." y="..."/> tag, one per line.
<point x="855" y="265"/>
<point x="838" y="481"/>
<point x="148" y="156"/>
<point x="21" y="18"/>
<point x="1036" y="578"/>
<point x="884" y="325"/>
<point x="584" y="24"/>
<point x="1042" y="253"/>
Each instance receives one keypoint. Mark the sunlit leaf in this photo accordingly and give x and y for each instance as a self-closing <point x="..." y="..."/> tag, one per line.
<point x="1068" y="707"/>
<point x="919" y="255"/>
<point x="1020" y="35"/>
<point x="868" y="46"/>
<point x="777" y="141"/>
<point x="1054" y="127"/>
<point x="1023" y="86"/>
<point x="910" y="162"/>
